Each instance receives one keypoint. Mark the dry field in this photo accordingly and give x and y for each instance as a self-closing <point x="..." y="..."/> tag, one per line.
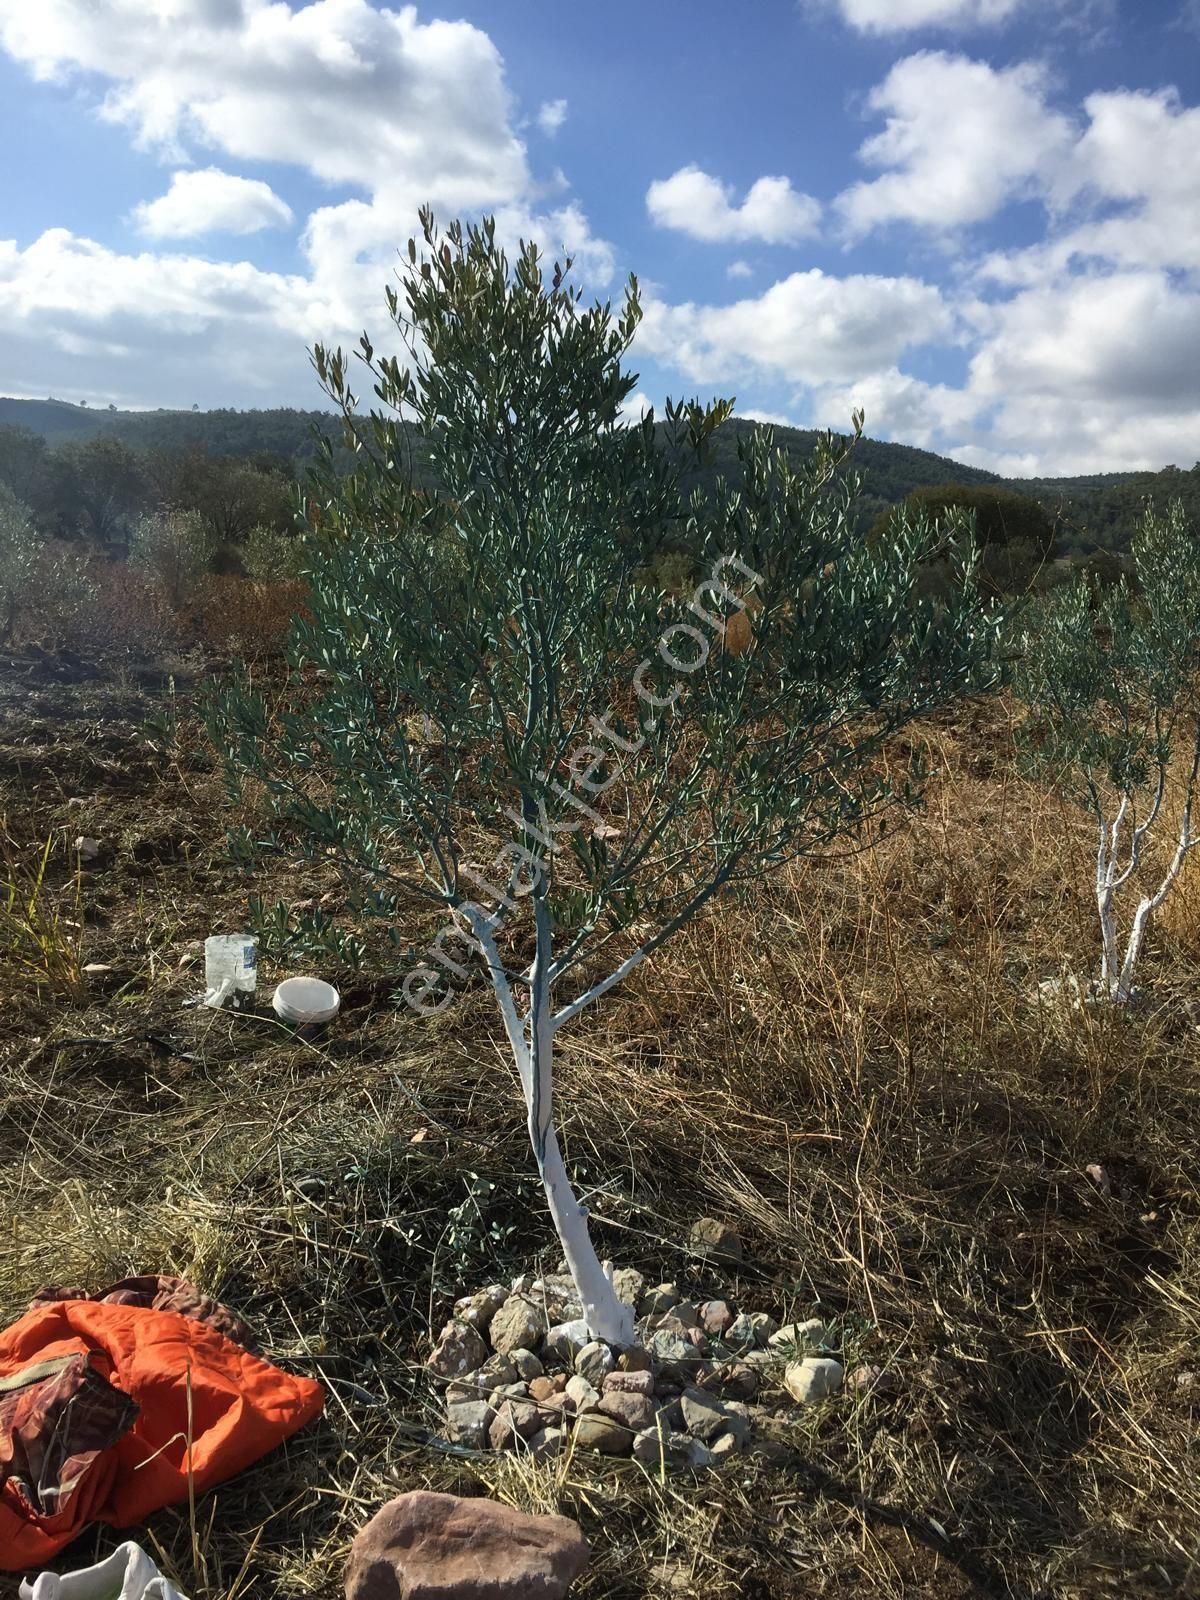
<point x="849" y="1066"/>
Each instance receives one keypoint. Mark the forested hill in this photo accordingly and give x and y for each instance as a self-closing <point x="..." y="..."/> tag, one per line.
<point x="1099" y="511"/>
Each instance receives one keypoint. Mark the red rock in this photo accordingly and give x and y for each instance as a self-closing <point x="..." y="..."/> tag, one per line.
<point x="425" y="1546"/>
<point x="629" y="1383"/>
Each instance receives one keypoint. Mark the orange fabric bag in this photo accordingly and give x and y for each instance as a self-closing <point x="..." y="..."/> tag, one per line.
<point x="241" y="1408"/>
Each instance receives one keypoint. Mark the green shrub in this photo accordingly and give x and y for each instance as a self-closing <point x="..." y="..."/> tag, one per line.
<point x="271" y="556"/>
<point x="1015" y="533"/>
<point x="176" y="548"/>
<point x="43" y="583"/>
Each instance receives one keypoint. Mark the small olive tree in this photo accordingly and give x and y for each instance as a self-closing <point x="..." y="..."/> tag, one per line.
<point x="174" y="546"/>
<point x="493" y="716"/>
<point x="1110" y="677"/>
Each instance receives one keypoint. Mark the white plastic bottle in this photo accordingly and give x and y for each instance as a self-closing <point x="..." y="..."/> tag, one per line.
<point x="230" y="969"/>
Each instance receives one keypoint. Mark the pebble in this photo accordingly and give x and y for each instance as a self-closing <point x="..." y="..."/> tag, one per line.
<point x="596" y="1431"/>
<point x="632" y="1411"/>
<point x="764" y="1326"/>
<point x="479" y="1309"/>
<point x="807" y="1336"/>
<point x="735" y="1380"/>
<point x="459" y="1350"/>
<point x="565" y="1340"/>
<point x="814" y="1378"/>
<point x="594" y="1362"/>
<point x="874" y="1380"/>
<point x="467" y="1423"/>
<point x="716" y="1317"/>
<point x="547" y="1442"/>
<point x="527" y="1364"/>
<point x="629" y="1383"/>
<point x="715" y="1241"/>
<point x="516" y="1419"/>
<point x="583" y="1395"/>
<point x="659" y="1300"/>
<point x="517" y="1325"/>
<point x="87" y="849"/>
<point x="726" y="1444"/>
<point x="629" y="1284"/>
<point x="703" y="1416"/>
<point x="495" y="1373"/>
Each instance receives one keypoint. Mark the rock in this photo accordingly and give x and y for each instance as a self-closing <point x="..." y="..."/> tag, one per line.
<point x="310" y="1185"/>
<point x="495" y="1373"/>
<point x="527" y="1364"/>
<point x="97" y="969"/>
<point x="515" y="1419"/>
<point x="655" y="1302"/>
<point x="740" y="1334"/>
<point x="725" y="1444"/>
<point x="814" y="1378"/>
<point x="801" y="1337"/>
<point x="672" y="1352"/>
<point x="510" y="1391"/>
<point x="459" y="1350"/>
<point x="716" y="1317"/>
<point x="594" y="1362"/>
<point x="683" y="1318"/>
<point x="629" y="1383"/>
<point x="522" y="1285"/>
<point x="517" y="1325"/>
<point x="596" y="1431"/>
<point x="564" y="1341"/>
<point x="425" y="1546"/>
<point x="714" y="1241"/>
<point x="733" y="1380"/>
<point x="557" y="1296"/>
<point x="737" y="1422"/>
<point x="468" y="1421"/>
<point x="658" y="1447"/>
<point x="479" y="1309"/>
<point x="703" y="1417"/>
<point x="583" y="1395"/>
<point x="764" y="1326"/>
<point x="87" y="849"/>
<point x="546" y="1443"/>
<point x="635" y="1359"/>
<point x="872" y="1380"/>
<point x="541" y="1389"/>
<point x="632" y="1411"/>
<point x="630" y="1285"/>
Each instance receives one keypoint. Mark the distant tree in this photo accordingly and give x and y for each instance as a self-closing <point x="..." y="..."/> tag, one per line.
<point x="23" y="463"/>
<point x="98" y="487"/>
<point x="1112" y="683"/>
<point x="1015" y="533"/>
<point x="232" y="494"/>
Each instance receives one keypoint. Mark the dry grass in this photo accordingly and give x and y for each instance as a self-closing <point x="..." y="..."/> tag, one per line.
<point x="848" y="1065"/>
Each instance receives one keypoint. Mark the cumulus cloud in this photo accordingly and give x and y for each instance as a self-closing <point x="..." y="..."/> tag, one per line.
<point x="961" y="139"/>
<point x="695" y="203"/>
<point x="151" y="330"/>
<point x="810" y="327"/>
<point x="211" y="201"/>
<point x="739" y="269"/>
<point x="900" y="16"/>
<point x="355" y="94"/>
<point x="373" y="100"/>
<point x="551" y="116"/>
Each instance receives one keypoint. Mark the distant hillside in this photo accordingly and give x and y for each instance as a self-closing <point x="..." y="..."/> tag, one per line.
<point x="1099" y="510"/>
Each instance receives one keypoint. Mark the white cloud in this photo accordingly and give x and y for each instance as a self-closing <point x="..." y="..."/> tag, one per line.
<point x="636" y="406"/>
<point x="810" y="327"/>
<point x="399" y="110"/>
<point x="772" y="419"/>
<point x="211" y="201"/>
<point x="702" y="206"/>
<point x="899" y="16"/>
<point x="961" y="140"/>
<point x="958" y="16"/>
<point x="739" y="269"/>
<point x="357" y="95"/>
<point x="551" y="116"/>
<point x="153" y="330"/>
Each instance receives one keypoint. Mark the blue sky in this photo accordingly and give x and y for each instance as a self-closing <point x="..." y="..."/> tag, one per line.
<point x="977" y="219"/>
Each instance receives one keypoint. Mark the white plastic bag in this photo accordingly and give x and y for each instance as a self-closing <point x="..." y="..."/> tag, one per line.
<point x="127" y="1574"/>
<point x="230" y="968"/>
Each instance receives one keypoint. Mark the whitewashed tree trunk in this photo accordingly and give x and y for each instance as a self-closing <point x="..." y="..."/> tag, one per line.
<point x="531" y="1039"/>
<point x="1117" y="971"/>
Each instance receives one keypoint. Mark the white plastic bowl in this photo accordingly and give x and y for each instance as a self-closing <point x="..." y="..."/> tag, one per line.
<point x="304" y="1001"/>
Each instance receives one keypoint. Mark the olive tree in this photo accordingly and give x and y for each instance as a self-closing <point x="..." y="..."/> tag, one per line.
<point x="1110" y="679"/>
<point x="492" y="716"/>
